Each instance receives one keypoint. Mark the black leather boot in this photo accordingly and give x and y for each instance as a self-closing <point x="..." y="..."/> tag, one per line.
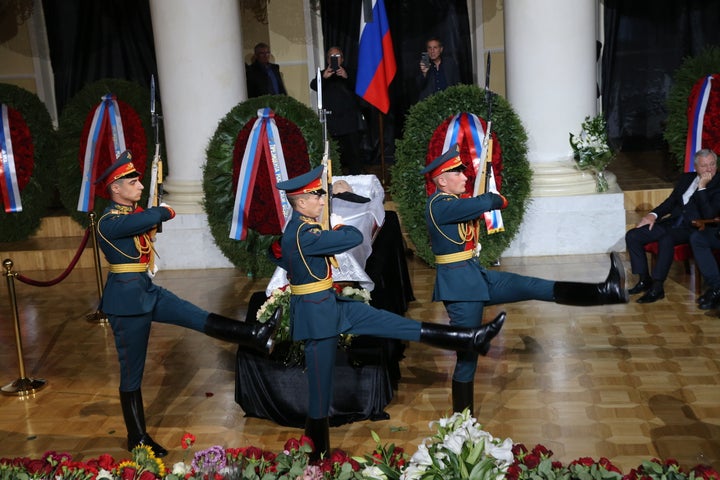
<point x="134" y="415"/>
<point x="254" y="336"/>
<point x="611" y="291"/>
<point x="463" y="394"/>
<point x="318" y="429"/>
<point x="461" y="339"/>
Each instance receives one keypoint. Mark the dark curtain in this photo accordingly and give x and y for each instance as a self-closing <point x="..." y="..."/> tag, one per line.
<point x="645" y="42"/>
<point x="412" y="23"/>
<point x="90" y="40"/>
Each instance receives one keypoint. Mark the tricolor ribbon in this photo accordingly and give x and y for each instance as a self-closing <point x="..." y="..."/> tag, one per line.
<point x="264" y="141"/>
<point x="466" y="128"/>
<point x="696" y="119"/>
<point x="106" y="117"/>
<point x="8" y="175"/>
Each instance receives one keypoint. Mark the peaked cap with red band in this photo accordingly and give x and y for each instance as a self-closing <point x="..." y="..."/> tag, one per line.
<point x="448" y="161"/>
<point x="309" y="182"/>
<point x="121" y="168"/>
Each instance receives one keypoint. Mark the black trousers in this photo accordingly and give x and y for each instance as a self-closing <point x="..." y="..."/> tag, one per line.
<point x="667" y="237"/>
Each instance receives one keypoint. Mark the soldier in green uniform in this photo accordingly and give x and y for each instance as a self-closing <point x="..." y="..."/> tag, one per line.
<point x="132" y="301"/>
<point x="318" y="315"/>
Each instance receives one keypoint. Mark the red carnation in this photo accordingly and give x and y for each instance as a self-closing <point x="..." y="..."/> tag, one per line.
<point x="519" y="449"/>
<point x="338" y="456"/>
<point x="128" y="473"/>
<point x="542" y="451"/>
<point x="254" y="453"/>
<point x="187" y="441"/>
<point x="307" y="441"/>
<point x="513" y="472"/>
<point x="292" y="444"/>
<point x="531" y="460"/>
<point x="706" y="472"/>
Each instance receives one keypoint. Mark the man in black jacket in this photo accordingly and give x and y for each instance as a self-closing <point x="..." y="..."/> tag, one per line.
<point x="263" y="77"/>
<point x="696" y="195"/>
<point x="344" y="120"/>
<point x="438" y="73"/>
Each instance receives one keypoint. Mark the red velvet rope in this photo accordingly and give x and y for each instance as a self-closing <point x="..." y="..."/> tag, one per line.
<point x="62" y="276"/>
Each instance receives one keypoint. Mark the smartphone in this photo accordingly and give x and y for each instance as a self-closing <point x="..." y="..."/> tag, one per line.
<point x="425" y="59"/>
<point x="334" y="62"/>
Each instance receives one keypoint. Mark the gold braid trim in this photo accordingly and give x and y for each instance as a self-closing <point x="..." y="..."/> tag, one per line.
<point x="328" y="275"/>
<point x="128" y="267"/>
<point x="308" y="288"/>
<point x="454" y="257"/>
<point x="467" y="231"/>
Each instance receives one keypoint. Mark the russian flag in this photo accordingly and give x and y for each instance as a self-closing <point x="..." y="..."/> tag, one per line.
<point x="376" y="58"/>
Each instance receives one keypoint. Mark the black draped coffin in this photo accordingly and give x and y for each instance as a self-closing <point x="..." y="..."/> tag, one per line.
<point x="366" y="372"/>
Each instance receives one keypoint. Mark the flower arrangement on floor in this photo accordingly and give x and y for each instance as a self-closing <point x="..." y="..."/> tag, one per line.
<point x="292" y="353"/>
<point x="459" y="449"/>
<point x="592" y="151"/>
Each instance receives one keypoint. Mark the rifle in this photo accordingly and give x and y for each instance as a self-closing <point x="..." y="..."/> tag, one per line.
<point x="326" y="162"/>
<point x="485" y="177"/>
<point x="156" y="172"/>
<point x="482" y="164"/>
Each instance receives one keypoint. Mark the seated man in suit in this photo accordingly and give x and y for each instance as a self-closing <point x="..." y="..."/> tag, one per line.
<point x="703" y="243"/>
<point x="696" y="195"/>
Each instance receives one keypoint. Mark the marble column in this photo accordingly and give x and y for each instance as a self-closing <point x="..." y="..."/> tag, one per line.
<point x="201" y="76"/>
<point x="551" y="83"/>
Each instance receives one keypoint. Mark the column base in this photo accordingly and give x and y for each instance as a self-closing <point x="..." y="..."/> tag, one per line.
<point x="186" y="243"/>
<point x="558" y="178"/>
<point x="571" y="225"/>
<point x="184" y="196"/>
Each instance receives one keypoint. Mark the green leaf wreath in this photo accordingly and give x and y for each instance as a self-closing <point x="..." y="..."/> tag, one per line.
<point x="72" y="124"/>
<point x="249" y="254"/>
<point x="684" y="78"/>
<point x="39" y="192"/>
<point x="408" y="185"/>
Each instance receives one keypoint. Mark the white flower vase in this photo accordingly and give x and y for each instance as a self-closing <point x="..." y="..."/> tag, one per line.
<point x="601" y="182"/>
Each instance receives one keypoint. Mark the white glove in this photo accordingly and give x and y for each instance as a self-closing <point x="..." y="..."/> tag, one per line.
<point x="163" y="204"/>
<point x="155" y="269"/>
<point x="336" y="220"/>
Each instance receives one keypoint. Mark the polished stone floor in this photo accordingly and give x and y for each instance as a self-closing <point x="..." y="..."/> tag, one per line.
<point x="628" y="382"/>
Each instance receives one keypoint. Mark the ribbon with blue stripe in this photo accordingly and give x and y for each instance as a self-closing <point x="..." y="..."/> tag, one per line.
<point x="106" y="115"/>
<point x="696" y="120"/>
<point x="466" y="128"/>
<point x="8" y="174"/>
<point x="264" y="139"/>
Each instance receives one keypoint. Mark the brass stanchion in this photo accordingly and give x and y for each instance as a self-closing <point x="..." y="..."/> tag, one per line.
<point x="23" y="386"/>
<point x="98" y="316"/>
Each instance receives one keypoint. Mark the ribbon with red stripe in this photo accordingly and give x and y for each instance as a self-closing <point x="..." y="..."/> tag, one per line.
<point x="8" y="175"/>
<point x="105" y="118"/>
<point x="466" y="129"/>
<point x="264" y="141"/>
<point x="696" y="120"/>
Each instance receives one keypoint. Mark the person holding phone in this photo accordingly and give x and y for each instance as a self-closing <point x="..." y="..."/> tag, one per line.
<point x="344" y="119"/>
<point x="436" y="71"/>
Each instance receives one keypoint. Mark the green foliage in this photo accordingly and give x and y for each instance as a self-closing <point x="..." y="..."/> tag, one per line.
<point x="38" y="193"/>
<point x="72" y="121"/>
<point x="408" y="185"/>
<point x="684" y="78"/>
<point x="249" y="254"/>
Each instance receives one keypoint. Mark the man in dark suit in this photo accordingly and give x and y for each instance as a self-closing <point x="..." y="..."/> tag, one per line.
<point x="318" y="314"/>
<point x="132" y="301"/>
<point x="439" y="73"/>
<point x="263" y="77"/>
<point x="694" y="196"/>
<point x="466" y="287"/>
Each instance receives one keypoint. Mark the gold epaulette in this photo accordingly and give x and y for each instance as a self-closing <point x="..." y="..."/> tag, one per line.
<point x="313" y="287"/>
<point x="453" y="257"/>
